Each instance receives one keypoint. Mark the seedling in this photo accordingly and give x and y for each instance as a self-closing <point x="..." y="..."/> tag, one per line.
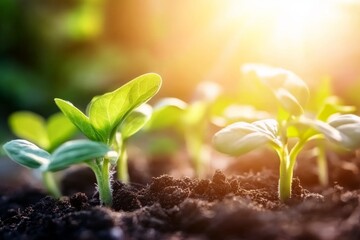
<point x="46" y="134"/>
<point x="108" y="120"/>
<point x="292" y="94"/>
<point x="31" y="156"/>
<point x="190" y="120"/>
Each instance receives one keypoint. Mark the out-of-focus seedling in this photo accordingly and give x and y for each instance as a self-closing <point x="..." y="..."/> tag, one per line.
<point x="111" y="119"/>
<point x="292" y="94"/>
<point x="46" y="134"/>
<point x="191" y="120"/>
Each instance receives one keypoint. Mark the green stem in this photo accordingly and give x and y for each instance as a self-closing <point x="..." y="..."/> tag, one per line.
<point x="102" y="174"/>
<point x="322" y="165"/>
<point x="287" y="163"/>
<point x="285" y="179"/>
<point x="194" y="147"/>
<point x="50" y="184"/>
<point x="122" y="166"/>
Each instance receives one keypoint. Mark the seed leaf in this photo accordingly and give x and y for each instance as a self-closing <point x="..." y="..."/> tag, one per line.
<point x="241" y="137"/>
<point x="80" y="120"/>
<point x="30" y="126"/>
<point x="107" y="111"/>
<point x="26" y="153"/>
<point x="135" y="121"/>
<point x="74" y="152"/>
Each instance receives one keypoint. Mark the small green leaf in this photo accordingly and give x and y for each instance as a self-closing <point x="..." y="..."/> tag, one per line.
<point x="242" y="137"/>
<point x="80" y="120"/>
<point x="341" y="120"/>
<point x="59" y="129"/>
<point x="135" y="121"/>
<point x="29" y="126"/>
<point x="166" y="113"/>
<point x="331" y="106"/>
<point x="26" y="153"/>
<point x="349" y="127"/>
<point x="106" y="112"/>
<point x="74" y="152"/>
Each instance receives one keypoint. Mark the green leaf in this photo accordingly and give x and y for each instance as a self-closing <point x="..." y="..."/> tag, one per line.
<point x="26" y="153"/>
<point x="166" y="113"/>
<point x="349" y="127"/>
<point x="135" y="121"/>
<point x="343" y="130"/>
<point x="331" y="106"/>
<point x="59" y="129"/>
<point x="242" y="137"/>
<point x="80" y="120"/>
<point x="29" y="126"/>
<point x="74" y="152"/>
<point x="109" y="110"/>
<point x="290" y="90"/>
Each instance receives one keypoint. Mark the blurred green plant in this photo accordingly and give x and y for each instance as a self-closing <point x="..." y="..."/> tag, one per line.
<point x="190" y="120"/>
<point x="292" y="94"/>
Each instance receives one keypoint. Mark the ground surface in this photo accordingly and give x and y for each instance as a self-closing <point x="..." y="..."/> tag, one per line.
<point x="241" y="207"/>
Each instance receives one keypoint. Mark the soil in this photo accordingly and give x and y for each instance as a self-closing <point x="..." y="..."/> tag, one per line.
<point x="239" y="202"/>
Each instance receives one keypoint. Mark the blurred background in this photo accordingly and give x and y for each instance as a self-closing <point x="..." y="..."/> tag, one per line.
<point x="75" y="49"/>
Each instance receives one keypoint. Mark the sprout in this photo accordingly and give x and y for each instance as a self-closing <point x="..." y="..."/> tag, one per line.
<point x="46" y="134"/>
<point x="111" y="119"/>
<point x="291" y="93"/>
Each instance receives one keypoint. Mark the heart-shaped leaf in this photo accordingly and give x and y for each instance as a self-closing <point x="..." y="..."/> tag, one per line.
<point x="30" y="126"/>
<point x="106" y="112"/>
<point x="241" y="137"/>
<point x="80" y="120"/>
<point x="26" y="153"/>
<point x="135" y="121"/>
<point x="76" y="151"/>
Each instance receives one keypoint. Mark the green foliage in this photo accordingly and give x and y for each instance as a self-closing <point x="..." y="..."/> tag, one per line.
<point x="190" y="120"/>
<point x="108" y="111"/>
<point x="29" y="155"/>
<point x="111" y="119"/>
<point x="46" y="134"/>
<point x="291" y="93"/>
<point x="136" y="120"/>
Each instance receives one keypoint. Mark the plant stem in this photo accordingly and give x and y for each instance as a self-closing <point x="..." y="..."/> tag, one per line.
<point x="102" y="174"/>
<point x="122" y="166"/>
<point x="287" y="163"/>
<point x="194" y="147"/>
<point x="322" y="165"/>
<point x="50" y="184"/>
<point x="285" y="179"/>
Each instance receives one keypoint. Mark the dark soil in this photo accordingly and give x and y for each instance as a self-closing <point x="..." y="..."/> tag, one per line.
<point x="240" y="207"/>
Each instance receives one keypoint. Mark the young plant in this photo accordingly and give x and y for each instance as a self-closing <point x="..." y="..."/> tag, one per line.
<point x="105" y="115"/>
<point x="292" y="94"/>
<point x="190" y="120"/>
<point x="31" y="156"/>
<point x="46" y="134"/>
